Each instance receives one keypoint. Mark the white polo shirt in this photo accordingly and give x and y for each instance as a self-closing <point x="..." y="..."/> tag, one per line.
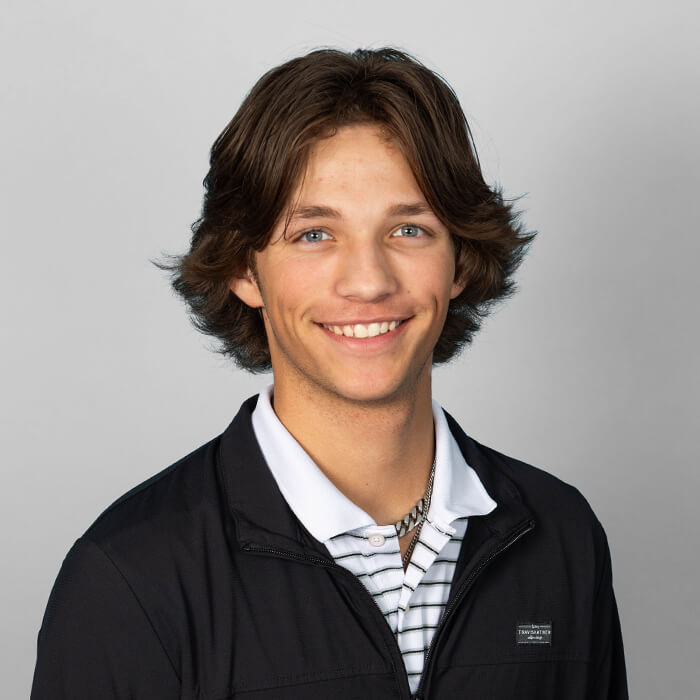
<point x="411" y="601"/>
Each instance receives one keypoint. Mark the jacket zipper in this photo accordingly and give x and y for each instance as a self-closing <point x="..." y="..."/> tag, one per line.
<point x="445" y="616"/>
<point x="418" y="695"/>
<point x="329" y="564"/>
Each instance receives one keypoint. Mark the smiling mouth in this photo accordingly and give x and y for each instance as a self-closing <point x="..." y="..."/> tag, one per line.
<point x="362" y="330"/>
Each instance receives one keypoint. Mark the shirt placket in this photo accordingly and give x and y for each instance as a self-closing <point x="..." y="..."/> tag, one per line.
<point x="423" y="557"/>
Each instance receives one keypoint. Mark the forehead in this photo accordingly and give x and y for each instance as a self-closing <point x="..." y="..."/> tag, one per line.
<point x="358" y="162"/>
<point x="352" y="144"/>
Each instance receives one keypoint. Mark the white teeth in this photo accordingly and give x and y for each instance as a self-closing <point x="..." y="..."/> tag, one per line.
<point x="360" y="330"/>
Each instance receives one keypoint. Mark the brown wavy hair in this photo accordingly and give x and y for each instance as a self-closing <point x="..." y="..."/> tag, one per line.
<point x="259" y="158"/>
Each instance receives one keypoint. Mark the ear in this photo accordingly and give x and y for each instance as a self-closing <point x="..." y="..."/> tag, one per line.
<point x="459" y="281"/>
<point x="246" y="289"/>
<point x="457" y="288"/>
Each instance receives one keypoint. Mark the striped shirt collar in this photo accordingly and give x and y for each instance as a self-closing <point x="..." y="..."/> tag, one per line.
<point x="326" y="512"/>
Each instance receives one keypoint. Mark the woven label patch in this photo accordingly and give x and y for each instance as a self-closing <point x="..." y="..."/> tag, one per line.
<point x="533" y="633"/>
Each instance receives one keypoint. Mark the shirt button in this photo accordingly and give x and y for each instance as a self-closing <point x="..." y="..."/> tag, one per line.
<point x="376" y="540"/>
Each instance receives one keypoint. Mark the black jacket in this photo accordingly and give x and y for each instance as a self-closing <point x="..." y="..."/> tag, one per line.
<point x="202" y="583"/>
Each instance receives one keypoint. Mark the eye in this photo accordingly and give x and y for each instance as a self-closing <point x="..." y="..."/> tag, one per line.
<point x="409" y="231"/>
<point x="312" y="236"/>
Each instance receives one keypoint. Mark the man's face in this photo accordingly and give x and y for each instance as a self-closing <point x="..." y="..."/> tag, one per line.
<point x="363" y="252"/>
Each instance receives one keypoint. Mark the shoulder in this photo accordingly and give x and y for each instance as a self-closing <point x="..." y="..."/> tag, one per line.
<point x="564" y="518"/>
<point x="562" y="513"/>
<point x="539" y="488"/>
<point x="161" y="514"/>
<point x="124" y="589"/>
<point x="542" y="488"/>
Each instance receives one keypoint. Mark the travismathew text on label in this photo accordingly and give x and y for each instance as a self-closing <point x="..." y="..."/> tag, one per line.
<point x="534" y="633"/>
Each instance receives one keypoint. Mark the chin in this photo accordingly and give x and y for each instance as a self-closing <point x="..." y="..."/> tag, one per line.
<point x="371" y="390"/>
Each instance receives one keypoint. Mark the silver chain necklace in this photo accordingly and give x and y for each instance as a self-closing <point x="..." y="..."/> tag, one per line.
<point x="414" y="519"/>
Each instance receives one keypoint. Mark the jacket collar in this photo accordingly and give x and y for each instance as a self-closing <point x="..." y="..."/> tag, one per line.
<point x="264" y="518"/>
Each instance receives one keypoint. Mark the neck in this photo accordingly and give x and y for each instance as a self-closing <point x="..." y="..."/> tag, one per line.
<point x="379" y="455"/>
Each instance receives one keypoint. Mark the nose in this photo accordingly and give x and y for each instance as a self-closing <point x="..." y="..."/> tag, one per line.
<point x="365" y="273"/>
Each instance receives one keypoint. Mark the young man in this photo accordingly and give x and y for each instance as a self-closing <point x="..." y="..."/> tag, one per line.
<point x="343" y="537"/>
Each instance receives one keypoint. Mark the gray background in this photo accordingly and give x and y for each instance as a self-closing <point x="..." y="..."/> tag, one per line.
<point x="590" y="110"/>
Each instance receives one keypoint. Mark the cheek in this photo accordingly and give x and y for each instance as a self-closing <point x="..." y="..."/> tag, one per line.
<point x="290" y="286"/>
<point x="433" y="276"/>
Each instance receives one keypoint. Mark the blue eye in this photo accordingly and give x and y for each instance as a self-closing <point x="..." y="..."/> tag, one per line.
<point x="313" y="236"/>
<point x="409" y="231"/>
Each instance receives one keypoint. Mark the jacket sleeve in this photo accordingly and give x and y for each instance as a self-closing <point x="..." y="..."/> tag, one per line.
<point x="608" y="676"/>
<point x="95" y="640"/>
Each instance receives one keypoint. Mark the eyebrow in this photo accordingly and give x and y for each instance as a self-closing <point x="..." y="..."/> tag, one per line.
<point x="320" y="212"/>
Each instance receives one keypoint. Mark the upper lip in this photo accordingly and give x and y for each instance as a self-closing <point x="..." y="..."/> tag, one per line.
<point x="364" y="322"/>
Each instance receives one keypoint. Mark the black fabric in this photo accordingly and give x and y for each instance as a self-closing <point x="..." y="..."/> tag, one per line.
<point x="202" y="583"/>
